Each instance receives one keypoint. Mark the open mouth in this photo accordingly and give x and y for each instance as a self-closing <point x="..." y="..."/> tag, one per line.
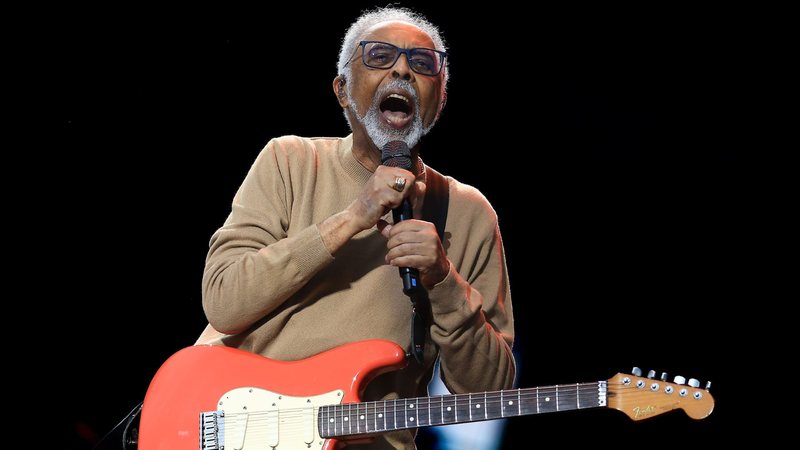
<point x="397" y="110"/>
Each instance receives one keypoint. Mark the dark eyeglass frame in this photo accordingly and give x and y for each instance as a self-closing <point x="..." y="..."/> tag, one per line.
<point x="408" y="52"/>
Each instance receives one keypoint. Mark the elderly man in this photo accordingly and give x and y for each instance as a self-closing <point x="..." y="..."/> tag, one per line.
<point x="307" y="260"/>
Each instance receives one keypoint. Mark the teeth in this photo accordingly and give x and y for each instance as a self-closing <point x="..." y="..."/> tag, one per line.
<point x="398" y="96"/>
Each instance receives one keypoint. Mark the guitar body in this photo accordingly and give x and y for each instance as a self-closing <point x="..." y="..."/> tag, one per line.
<point x="254" y="392"/>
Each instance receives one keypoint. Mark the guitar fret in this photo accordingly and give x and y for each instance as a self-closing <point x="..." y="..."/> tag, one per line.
<point x="435" y="416"/>
<point x="362" y="418"/>
<point x="577" y="395"/>
<point x="367" y="417"/>
<point x="429" y="412"/>
<point x="334" y="420"/>
<point x="373" y="415"/>
<point x="388" y="415"/>
<point x="423" y="412"/>
<point x="323" y="424"/>
<point x="494" y="405"/>
<point x="449" y="410"/>
<point x="549" y="400"/>
<point x="485" y="407"/>
<point x="337" y="421"/>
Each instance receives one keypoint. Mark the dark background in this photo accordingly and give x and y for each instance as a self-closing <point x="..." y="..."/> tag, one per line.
<point x="604" y="139"/>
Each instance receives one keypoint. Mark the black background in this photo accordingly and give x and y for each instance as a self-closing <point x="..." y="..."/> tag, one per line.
<point x="602" y="137"/>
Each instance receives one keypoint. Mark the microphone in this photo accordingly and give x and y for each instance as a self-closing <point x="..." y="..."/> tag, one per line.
<point x="397" y="154"/>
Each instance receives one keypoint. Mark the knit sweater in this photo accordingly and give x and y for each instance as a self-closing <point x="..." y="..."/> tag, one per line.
<point x="298" y="300"/>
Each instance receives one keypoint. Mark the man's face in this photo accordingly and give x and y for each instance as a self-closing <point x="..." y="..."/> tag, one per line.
<point x="394" y="103"/>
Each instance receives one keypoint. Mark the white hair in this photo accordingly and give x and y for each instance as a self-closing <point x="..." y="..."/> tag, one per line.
<point x="368" y="19"/>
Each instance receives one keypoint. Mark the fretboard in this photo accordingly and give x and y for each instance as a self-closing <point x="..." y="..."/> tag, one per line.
<point x="390" y="415"/>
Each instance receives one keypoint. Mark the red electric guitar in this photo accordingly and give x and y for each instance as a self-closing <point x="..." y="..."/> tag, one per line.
<point x="213" y="397"/>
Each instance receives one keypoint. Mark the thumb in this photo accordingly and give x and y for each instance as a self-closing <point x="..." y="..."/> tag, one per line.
<point x="384" y="228"/>
<point x="418" y="199"/>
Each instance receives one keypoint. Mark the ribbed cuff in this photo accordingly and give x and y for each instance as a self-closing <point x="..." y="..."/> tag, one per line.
<point x="311" y="254"/>
<point x="449" y="301"/>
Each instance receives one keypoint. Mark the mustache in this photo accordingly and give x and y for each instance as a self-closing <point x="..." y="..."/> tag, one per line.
<point x="396" y="83"/>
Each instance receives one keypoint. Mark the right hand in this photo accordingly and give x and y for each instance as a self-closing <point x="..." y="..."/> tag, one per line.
<point x="378" y="196"/>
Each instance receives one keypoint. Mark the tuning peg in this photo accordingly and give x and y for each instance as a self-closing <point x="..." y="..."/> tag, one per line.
<point x="708" y="385"/>
<point x="694" y="382"/>
<point x="679" y="379"/>
<point x="663" y="376"/>
<point x="651" y="374"/>
<point x="636" y="371"/>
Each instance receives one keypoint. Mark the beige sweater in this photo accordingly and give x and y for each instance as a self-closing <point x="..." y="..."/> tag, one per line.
<point x="299" y="300"/>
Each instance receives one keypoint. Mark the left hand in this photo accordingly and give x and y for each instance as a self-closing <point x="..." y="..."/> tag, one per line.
<point x="415" y="243"/>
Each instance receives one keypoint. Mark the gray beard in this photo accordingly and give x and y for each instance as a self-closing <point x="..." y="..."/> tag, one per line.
<point x="373" y="119"/>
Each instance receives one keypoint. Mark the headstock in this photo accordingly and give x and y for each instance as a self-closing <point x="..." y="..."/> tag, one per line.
<point x="644" y="397"/>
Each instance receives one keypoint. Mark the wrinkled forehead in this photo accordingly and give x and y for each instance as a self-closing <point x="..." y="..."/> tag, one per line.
<point x="402" y="34"/>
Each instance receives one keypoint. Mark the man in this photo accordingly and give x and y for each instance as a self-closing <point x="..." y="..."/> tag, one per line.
<point x="307" y="260"/>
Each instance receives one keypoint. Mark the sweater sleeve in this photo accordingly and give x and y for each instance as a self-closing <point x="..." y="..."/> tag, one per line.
<point x="473" y="323"/>
<point x="240" y="284"/>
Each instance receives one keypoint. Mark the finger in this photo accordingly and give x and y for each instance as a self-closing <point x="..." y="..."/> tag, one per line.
<point x="405" y="249"/>
<point x="412" y="230"/>
<point x="385" y="228"/>
<point x="418" y="262"/>
<point x="395" y="178"/>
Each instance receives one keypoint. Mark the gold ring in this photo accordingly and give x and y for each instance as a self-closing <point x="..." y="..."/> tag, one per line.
<point x="399" y="184"/>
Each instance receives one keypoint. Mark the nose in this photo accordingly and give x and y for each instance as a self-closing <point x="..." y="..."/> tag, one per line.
<point x="401" y="68"/>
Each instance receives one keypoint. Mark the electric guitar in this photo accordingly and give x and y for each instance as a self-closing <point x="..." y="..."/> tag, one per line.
<point x="214" y="397"/>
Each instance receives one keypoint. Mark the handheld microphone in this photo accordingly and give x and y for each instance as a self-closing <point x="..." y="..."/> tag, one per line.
<point x="397" y="154"/>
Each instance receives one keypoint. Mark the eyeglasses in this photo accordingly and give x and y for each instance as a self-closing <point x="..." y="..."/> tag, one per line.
<point x="383" y="55"/>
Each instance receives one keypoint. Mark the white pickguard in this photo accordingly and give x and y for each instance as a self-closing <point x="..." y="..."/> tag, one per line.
<point x="257" y="419"/>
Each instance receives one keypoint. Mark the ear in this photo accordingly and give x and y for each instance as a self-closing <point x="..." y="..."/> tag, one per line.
<point x="339" y="90"/>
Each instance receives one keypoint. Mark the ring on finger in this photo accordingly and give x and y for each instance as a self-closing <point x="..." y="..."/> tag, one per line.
<point x="399" y="184"/>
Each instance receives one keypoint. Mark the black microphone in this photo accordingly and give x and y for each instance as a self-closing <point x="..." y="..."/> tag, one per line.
<point x="397" y="154"/>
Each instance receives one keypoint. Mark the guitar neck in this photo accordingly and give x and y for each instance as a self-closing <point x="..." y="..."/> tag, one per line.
<point x="390" y="415"/>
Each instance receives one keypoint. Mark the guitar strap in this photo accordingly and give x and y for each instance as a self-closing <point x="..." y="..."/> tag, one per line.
<point x="434" y="210"/>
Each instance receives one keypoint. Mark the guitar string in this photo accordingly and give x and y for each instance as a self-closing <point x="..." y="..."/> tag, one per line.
<point x="492" y="398"/>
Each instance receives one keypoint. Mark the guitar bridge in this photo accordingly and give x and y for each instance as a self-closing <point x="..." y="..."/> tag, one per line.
<point x="212" y="430"/>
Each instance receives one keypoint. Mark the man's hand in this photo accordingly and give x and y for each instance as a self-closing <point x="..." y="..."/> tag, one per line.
<point x="415" y="243"/>
<point x="380" y="195"/>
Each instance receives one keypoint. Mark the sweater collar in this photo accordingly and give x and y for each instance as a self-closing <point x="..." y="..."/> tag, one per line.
<point x="351" y="166"/>
<point x="358" y="172"/>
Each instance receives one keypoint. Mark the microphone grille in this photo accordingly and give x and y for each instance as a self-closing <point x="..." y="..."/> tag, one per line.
<point x="396" y="154"/>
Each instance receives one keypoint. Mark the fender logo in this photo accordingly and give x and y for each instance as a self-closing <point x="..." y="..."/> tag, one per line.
<point x="641" y="412"/>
